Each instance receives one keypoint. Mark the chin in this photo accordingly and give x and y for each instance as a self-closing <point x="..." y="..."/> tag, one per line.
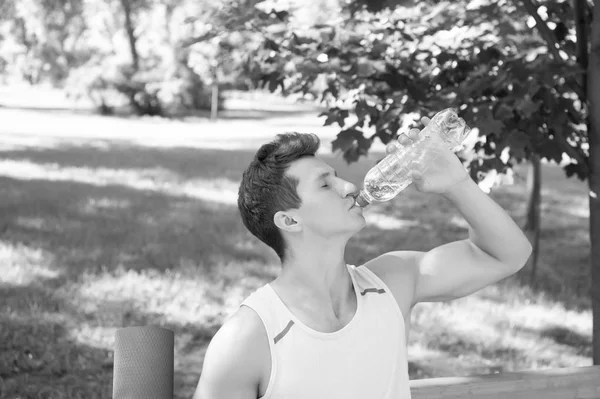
<point x="360" y="225"/>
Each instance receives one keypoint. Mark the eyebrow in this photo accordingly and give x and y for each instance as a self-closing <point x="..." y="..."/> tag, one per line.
<point x="325" y="174"/>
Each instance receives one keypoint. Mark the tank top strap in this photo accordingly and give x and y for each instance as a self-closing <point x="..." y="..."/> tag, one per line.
<point x="368" y="281"/>
<point x="274" y="316"/>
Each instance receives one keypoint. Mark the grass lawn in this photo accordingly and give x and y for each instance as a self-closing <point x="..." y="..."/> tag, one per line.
<point x="106" y="224"/>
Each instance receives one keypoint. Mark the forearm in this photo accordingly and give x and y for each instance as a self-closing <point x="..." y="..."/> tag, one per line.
<point x="490" y="227"/>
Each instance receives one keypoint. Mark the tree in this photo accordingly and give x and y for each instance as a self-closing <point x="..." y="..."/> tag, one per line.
<point x="221" y="49"/>
<point x="147" y="54"/>
<point x="43" y="38"/>
<point x="130" y="29"/>
<point x="524" y="90"/>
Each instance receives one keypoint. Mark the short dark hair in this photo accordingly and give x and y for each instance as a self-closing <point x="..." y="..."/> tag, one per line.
<point x="266" y="189"/>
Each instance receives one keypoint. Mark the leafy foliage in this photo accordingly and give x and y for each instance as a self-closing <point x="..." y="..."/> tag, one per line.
<point x="480" y="57"/>
<point x="376" y="63"/>
<point x="157" y="56"/>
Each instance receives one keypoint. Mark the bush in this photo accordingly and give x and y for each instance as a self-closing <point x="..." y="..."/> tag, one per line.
<point x="153" y="90"/>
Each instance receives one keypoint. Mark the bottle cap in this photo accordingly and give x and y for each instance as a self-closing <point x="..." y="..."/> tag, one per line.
<point x="362" y="200"/>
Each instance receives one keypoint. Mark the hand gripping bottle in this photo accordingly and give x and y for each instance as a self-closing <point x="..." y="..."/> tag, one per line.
<point x="391" y="175"/>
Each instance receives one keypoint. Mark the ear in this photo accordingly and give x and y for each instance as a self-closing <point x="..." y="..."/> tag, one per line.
<point x="287" y="221"/>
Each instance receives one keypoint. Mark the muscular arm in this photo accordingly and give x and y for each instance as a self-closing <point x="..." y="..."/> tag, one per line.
<point x="496" y="249"/>
<point x="235" y="359"/>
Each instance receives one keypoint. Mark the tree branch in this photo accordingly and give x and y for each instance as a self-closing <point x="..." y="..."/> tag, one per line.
<point x="548" y="36"/>
<point x="542" y="26"/>
<point x="579" y="8"/>
<point x="198" y="39"/>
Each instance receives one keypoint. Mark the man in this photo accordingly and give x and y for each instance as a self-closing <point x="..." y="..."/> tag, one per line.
<point x="325" y="329"/>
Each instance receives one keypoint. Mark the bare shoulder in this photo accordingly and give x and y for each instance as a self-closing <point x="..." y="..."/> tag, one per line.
<point x="236" y="358"/>
<point x="399" y="271"/>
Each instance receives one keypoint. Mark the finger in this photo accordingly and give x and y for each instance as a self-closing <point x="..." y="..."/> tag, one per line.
<point x="392" y="146"/>
<point x="413" y="134"/>
<point x="404" y="139"/>
<point x="425" y="120"/>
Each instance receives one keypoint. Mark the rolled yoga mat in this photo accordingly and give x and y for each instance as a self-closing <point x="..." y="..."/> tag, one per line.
<point x="143" y="363"/>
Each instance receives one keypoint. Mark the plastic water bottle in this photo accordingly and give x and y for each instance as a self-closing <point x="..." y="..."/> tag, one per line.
<point x="391" y="175"/>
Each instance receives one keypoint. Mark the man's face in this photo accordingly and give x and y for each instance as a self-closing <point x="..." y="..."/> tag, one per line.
<point x="327" y="201"/>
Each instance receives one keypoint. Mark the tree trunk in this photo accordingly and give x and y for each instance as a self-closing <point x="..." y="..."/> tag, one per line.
<point x="593" y="82"/>
<point x="532" y="223"/>
<point x="131" y="34"/>
<point x="214" y="103"/>
<point x="581" y="30"/>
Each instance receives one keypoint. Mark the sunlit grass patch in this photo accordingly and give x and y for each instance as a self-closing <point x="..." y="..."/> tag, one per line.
<point x="188" y="294"/>
<point x="476" y="332"/>
<point x="22" y="265"/>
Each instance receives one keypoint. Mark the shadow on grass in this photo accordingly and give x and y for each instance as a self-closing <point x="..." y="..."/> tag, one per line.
<point x="258" y="114"/>
<point x="87" y="227"/>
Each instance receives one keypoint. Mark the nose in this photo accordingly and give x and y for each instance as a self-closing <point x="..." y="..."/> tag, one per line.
<point x="350" y="189"/>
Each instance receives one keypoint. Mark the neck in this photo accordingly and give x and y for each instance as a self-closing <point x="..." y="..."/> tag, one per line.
<point x="318" y="270"/>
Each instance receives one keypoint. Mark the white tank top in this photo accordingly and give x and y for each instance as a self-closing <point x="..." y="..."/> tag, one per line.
<point x="365" y="359"/>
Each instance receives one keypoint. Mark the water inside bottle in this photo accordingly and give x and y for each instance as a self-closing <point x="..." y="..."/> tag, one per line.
<point x="381" y="189"/>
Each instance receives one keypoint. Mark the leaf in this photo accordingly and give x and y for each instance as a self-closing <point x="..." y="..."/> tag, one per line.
<point x="550" y="149"/>
<point x="274" y="82"/>
<point x="341" y="117"/>
<point x="330" y="118"/>
<point x="490" y="125"/>
<point x="281" y="15"/>
<point x="517" y="139"/>
<point x="575" y="168"/>
<point x="528" y="107"/>
<point x="299" y="41"/>
<point x="353" y="154"/>
<point x="503" y="111"/>
<point x="518" y="70"/>
<point x="362" y="109"/>
<point x="384" y="137"/>
<point x="333" y="88"/>
<point x="444" y="57"/>
<point x="379" y="48"/>
<point x="489" y="54"/>
<point x="335" y="115"/>
<point x="416" y="90"/>
<point x="352" y="143"/>
<point x="560" y="31"/>
<point x="270" y="45"/>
